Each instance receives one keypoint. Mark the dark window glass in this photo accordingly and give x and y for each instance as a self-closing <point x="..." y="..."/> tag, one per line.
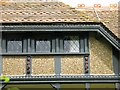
<point x="14" y="46"/>
<point x="71" y="44"/>
<point x="43" y="45"/>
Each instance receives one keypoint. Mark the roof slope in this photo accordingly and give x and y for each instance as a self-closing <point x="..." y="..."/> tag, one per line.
<point x="38" y="12"/>
<point x="56" y="12"/>
<point x="110" y="19"/>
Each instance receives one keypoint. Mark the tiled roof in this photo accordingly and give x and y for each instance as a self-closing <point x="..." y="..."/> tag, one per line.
<point x="38" y="12"/>
<point x="55" y="12"/>
<point x="110" y="20"/>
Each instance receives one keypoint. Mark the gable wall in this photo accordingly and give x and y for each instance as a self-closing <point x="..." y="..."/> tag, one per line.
<point x="100" y="61"/>
<point x="100" y="55"/>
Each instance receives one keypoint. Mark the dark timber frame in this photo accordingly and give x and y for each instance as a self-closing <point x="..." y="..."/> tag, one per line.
<point x="62" y="27"/>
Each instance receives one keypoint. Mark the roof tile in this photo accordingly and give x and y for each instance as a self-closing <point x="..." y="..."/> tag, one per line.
<point x="56" y="12"/>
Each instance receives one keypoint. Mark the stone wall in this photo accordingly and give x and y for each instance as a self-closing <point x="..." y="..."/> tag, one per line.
<point x="72" y="65"/>
<point x="42" y="65"/>
<point x="100" y="56"/>
<point x="100" y="61"/>
<point x="14" y="65"/>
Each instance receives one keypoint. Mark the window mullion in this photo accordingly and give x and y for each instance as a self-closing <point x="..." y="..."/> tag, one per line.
<point x="57" y="45"/>
<point x="24" y="45"/>
<point x="32" y="45"/>
<point x="82" y="44"/>
<point x="4" y="46"/>
<point x="61" y="44"/>
<point x="28" y="44"/>
<point x="53" y="45"/>
<point x="86" y="44"/>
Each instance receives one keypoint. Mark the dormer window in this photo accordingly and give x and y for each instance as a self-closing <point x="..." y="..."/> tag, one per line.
<point x="46" y="43"/>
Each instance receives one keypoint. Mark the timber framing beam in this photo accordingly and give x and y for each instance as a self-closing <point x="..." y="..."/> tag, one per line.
<point x="66" y="79"/>
<point x="61" y="81"/>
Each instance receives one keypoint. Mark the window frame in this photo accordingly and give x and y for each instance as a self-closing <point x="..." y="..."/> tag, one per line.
<point x="43" y="39"/>
<point x="11" y="37"/>
<point x="14" y="51"/>
<point x="56" y="39"/>
<point x="62" y="43"/>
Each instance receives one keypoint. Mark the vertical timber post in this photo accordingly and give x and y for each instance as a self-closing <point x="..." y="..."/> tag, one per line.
<point x="86" y="59"/>
<point x="57" y="63"/>
<point x="117" y="85"/>
<point x="28" y="65"/>
<point x="24" y="45"/>
<point x="82" y="44"/>
<point x="115" y="61"/>
<point x="1" y="60"/>
<point x="32" y="45"/>
<point x="116" y="65"/>
<point x="119" y="69"/>
<point x="1" y="53"/>
<point x="3" y="45"/>
<point x="29" y="47"/>
<point x="57" y="59"/>
<point x="56" y="86"/>
<point x="87" y="86"/>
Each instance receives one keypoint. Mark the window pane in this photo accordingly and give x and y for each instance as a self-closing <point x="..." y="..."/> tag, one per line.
<point x="43" y="46"/>
<point x="71" y="44"/>
<point x="14" y="46"/>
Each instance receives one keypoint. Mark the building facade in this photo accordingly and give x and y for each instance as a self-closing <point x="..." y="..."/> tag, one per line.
<point x="49" y="42"/>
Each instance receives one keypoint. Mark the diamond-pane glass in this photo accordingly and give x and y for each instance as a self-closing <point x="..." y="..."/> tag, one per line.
<point x="71" y="44"/>
<point x="14" y="46"/>
<point x="43" y="46"/>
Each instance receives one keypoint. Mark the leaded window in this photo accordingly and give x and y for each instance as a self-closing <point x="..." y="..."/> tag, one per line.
<point x="14" y="46"/>
<point x="43" y="45"/>
<point x="71" y="43"/>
